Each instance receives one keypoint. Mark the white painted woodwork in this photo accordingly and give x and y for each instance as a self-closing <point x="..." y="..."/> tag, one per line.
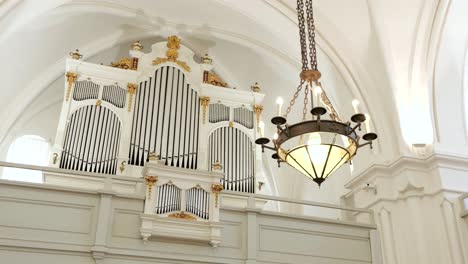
<point x="45" y="223"/>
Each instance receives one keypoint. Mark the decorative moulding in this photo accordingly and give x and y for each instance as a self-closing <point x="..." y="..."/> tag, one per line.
<point x="424" y="165"/>
<point x="410" y="190"/>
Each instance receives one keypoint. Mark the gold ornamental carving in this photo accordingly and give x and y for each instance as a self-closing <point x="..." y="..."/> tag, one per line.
<point x="172" y="54"/>
<point x="153" y="156"/>
<point x="258" y="112"/>
<point x="131" y="88"/>
<point x="76" y="55"/>
<point x="71" y="78"/>
<point x="98" y="102"/>
<point x="182" y="215"/>
<point x="204" y="101"/>
<point x="255" y="88"/>
<point x="217" y="166"/>
<point x="212" y="78"/>
<point x="124" y="63"/>
<point x="150" y="181"/>
<point x="216" y="189"/>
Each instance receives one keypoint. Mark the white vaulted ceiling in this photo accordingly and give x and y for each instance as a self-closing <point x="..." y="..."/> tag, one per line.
<point x="384" y="53"/>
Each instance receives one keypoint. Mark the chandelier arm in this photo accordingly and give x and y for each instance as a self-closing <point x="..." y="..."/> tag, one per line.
<point x="324" y="98"/>
<point x="293" y="100"/>
<point x="306" y="98"/>
<point x="302" y="34"/>
<point x="311" y="35"/>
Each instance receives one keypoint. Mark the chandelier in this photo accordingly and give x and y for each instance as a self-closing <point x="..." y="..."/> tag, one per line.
<point x="315" y="146"/>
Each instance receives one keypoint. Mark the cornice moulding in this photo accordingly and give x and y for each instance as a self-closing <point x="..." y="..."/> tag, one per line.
<point x="409" y="163"/>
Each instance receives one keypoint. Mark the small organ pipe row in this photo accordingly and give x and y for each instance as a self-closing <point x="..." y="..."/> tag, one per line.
<point x="85" y="90"/>
<point x="166" y="120"/>
<point x="114" y="95"/>
<point x="198" y="202"/>
<point x="168" y="198"/>
<point x="92" y="140"/>
<point x="244" y="117"/>
<point x="218" y="113"/>
<point x="234" y="150"/>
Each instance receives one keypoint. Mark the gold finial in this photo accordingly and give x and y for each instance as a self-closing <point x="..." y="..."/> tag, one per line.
<point x="206" y="60"/>
<point x="76" y="55"/>
<point x="137" y="46"/>
<point x="255" y="88"/>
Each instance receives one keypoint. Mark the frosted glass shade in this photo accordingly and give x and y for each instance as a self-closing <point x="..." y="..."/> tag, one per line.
<point x="320" y="156"/>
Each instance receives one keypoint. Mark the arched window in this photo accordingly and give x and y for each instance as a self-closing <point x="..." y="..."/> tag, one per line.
<point x="32" y="150"/>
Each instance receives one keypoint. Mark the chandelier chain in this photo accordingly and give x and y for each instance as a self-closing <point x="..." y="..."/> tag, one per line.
<point x="302" y="34"/>
<point x="311" y="34"/>
<point x="293" y="100"/>
<point x="306" y="101"/>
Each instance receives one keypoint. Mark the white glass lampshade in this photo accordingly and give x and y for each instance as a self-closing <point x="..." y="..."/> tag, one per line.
<point x="320" y="156"/>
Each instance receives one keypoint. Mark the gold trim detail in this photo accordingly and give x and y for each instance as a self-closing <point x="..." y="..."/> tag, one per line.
<point x="216" y="189"/>
<point x="136" y="46"/>
<point x="255" y="88"/>
<point x="152" y="156"/>
<point x="98" y="102"/>
<point x="182" y="215"/>
<point x="76" y="55"/>
<point x="204" y="101"/>
<point x="71" y="78"/>
<point x="150" y="181"/>
<point x="217" y="166"/>
<point x="122" y="166"/>
<point x="231" y="124"/>
<point x="206" y="59"/>
<point x="172" y="53"/>
<point x="131" y="88"/>
<point x="212" y="78"/>
<point x="258" y="112"/>
<point x="124" y="63"/>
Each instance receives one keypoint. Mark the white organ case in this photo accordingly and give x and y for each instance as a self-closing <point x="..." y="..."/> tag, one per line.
<point x="165" y="117"/>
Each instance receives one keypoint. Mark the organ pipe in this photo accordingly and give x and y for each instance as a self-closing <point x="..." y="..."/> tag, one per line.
<point x="159" y="124"/>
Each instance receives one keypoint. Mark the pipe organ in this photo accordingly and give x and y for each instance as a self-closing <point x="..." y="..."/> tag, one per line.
<point x="161" y="113"/>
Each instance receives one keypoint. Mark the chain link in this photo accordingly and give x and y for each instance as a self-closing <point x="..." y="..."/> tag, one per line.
<point x="306" y="101"/>
<point x="311" y="34"/>
<point x="305" y="53"/>
<point x="302" y="34"/>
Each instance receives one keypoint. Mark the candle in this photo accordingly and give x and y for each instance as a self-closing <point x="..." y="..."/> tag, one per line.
<point x="318" y="94"/>
<point x="356" y="106"/>
<point x="279" y="101"/>
<point x="261" y="125"/>
<point x="367" y="122"/>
